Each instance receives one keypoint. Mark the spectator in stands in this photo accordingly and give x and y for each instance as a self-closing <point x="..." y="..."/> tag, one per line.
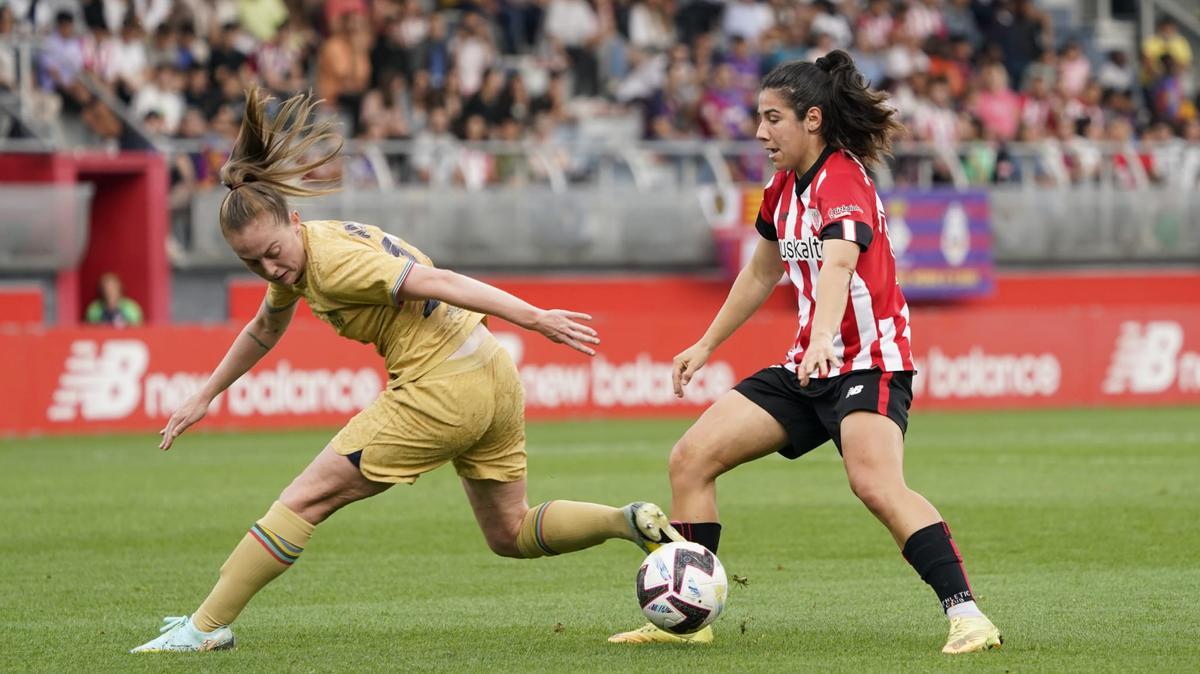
<point x="997" y="106"/>
<point x="130" y="60"/>
<point x="193" y="50"/>
<point x="473" y="52"/>
<point x="517" y="101"/>
<point x="747" y="19"/>
<point x="61" y="61"/>
<point x="830" y="22"/>
<point x="111" y="307"/>
<point x="163" y="94"/>
<point x="875" y="26"/>
<point x="476" y="167"/>
<point x="386" y="110"/>
<point x="651" y="26"/>
<point x="1169" y="98"/>
<point x="488" y="102"/>
<point x="1074" y="70"/>
<point x="1116" y="73"/>
<point x="959" y="20"/>
<point x="344" y="65"/>
<point x="724" y="114"/>
<point x="519" y="22"/>
<point x="575" y="25"/>
<point x="435" y="149"/>
<point x="1166" y="40"/>
<point x="1021" y="31"/>
<point x="8" y="52"/>
<point x="225" y="55"/>
<point x="262" y="18"/>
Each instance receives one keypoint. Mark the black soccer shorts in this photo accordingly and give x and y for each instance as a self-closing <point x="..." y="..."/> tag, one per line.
<point x="813" y="414"/>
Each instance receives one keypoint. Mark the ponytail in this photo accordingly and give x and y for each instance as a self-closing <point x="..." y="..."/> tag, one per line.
<point x="270" y="156"/>
<point x="854" y="117"/>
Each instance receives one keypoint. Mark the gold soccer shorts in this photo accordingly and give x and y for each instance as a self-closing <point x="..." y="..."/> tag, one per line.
<point x="468" y="410"/>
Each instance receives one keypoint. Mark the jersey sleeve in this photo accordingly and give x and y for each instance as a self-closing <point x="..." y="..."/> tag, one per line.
<point x="280" y="297"/>
<point x="765" y="223"/>
<point x="363" y="275"/>
<point x="847" y="205"/>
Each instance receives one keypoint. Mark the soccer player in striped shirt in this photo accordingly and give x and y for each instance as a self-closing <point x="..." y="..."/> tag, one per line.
<point x="453" y="395"/>
<point x="848" y="374"/>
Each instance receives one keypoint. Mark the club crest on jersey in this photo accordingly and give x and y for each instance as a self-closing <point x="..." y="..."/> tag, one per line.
<point x="808" y="248"/>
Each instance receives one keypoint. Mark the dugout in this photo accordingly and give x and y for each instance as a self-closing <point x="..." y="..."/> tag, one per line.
<point x="69" y="217"/>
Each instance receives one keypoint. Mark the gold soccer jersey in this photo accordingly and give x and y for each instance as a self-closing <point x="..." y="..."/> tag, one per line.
<point x="352" y="281"/>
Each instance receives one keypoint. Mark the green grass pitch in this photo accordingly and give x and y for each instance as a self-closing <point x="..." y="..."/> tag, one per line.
<point x="1080" y="530"/>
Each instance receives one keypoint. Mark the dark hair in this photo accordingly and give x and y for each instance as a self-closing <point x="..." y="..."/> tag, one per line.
<point x="855" y="117"/>
<point x="270" y="156"/>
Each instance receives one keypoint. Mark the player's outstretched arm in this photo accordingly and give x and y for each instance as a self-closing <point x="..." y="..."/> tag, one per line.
<point x="557" y="325"/>
<point x="751" y="288"/>
<point x="252" y="343"/>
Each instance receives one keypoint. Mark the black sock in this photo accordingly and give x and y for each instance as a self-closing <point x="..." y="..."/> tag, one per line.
<point x="932" y="552"/>
<point x="707" y="534"/>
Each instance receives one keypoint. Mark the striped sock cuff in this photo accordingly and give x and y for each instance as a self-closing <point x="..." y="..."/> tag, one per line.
<point x="282" y="533"/>
<point x="538" y="533"/>
<point x="283" y="551"/>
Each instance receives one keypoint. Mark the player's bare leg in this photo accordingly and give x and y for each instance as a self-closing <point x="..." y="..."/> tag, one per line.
<point x="731" y="432"/>
<point x="513" y="529"/>
<point x="873" y="452"/>
<point x="271" y="546"/>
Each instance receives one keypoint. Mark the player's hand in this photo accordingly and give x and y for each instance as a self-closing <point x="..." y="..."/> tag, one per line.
<point x="686" y="364"/>
<point x="192" y="410"/>
<point x="563" y="327"/>
<point x="819" y="358"/>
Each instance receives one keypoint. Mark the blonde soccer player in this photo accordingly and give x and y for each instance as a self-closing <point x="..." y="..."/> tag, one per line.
<point x="453" y="395"/>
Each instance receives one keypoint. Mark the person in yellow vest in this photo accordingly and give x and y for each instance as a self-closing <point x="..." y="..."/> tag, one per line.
<point x="453" y="394"/>
<point x="111" y="307"/>
<point x="1166" y="40"/>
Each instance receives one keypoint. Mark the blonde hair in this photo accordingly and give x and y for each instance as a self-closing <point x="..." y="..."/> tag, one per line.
<point x="270" y="156"/>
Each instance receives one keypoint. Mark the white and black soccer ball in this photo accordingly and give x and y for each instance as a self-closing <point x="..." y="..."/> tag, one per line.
<point x="681" y="587"/>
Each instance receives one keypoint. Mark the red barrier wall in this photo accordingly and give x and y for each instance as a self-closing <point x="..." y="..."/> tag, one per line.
<point x="1025" y="348"/>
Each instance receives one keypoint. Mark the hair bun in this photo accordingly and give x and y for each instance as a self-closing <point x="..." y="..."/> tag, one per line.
<point x="834" y="60"/>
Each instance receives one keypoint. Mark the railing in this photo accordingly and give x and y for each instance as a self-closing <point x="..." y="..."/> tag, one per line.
<point x="652" y="206"/>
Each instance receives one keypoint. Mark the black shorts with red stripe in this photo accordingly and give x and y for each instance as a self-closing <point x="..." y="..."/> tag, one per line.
<point x="813" y="414"/>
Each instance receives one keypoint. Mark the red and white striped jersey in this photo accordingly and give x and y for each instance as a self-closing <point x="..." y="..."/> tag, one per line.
<point x="835" y="199"/>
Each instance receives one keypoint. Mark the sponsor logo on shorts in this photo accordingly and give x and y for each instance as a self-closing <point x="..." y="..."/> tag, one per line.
<point x="854" y="390"/>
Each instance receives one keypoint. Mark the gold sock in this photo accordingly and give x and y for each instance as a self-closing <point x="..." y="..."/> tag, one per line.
<point x="267" y="550"/>
<point x="555" y="527"/>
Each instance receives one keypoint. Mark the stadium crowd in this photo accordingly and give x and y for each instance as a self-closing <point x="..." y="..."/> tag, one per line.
<point x="969" y="75"/>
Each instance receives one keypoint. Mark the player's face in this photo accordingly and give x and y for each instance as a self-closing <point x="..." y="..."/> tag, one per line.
<point x="789" y="141"/>
<point x="271" y="249"/>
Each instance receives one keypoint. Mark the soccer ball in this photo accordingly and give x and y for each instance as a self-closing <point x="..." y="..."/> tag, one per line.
<point x="681" y="587"/>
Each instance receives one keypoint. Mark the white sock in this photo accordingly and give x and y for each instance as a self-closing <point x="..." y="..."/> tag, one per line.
<point x="963" y="610"/>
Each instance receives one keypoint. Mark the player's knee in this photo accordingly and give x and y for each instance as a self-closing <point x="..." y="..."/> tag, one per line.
<point x="311" y="504"/>
<point x="691" y="463"/>
<point x="876" y="494"/>
<point x="502" y="539"/>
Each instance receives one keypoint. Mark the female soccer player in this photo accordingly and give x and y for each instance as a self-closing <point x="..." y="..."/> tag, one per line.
<point x="453" y="394"/>
<point x="848" y="374"/>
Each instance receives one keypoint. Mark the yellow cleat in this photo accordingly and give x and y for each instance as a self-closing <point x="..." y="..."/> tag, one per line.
<point x="649" y="634"/>
<point x="969" y="634"/>
<point x="649" y="526"/>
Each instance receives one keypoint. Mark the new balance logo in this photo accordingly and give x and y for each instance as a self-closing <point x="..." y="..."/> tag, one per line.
<point x="100" y="381"/>
<point x="854" y="390"/>
<point x="1145" y="357"/>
